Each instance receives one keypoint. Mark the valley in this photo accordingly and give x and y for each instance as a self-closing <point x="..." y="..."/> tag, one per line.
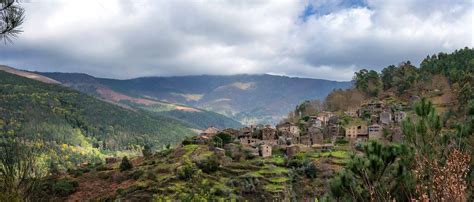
<point x="330" y="101"/>
<point x="134" y="149"/>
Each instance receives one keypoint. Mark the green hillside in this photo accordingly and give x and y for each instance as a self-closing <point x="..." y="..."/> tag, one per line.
<point x="55" y="113"/>
<point x="195" y="117"/>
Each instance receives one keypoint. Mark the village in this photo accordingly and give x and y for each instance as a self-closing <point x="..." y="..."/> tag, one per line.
<point x="373" y="120"/>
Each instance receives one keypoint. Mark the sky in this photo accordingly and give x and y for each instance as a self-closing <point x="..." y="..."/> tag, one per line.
<point x="327" y="39"/>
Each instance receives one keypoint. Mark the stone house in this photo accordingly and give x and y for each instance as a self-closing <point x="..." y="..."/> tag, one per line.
<point x="249" y="141"/>
<point x="254" y="128"/>
<point x="233" y="132"/>
<point x="305" y="140"/>
<point x="316" y="135"/>
<point x="210" y="132"/>
<point x="289" y="137"/>
<point x="399" y="116"/>
<point x="245" y="132"/>
<point x="292" y="150"/>
<point x="265" y="150"/>
<point x="289" y="130"/>
<point x="284" y="126"/>
<point x="325" y="116"/>
<point x="357" y="132"/>
<point x="268" y="133"/>
<point x="385" y="118"/>
<point x="351" y="132"/>
<point x="375" y="105"/>
<point x="333" y="130"/>
<point x="314" y="121"/>
<point x="201" y="139"/>
<point x="375" y="132"/>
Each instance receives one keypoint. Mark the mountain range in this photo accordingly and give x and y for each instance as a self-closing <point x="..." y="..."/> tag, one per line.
<point x="249" y="99"/>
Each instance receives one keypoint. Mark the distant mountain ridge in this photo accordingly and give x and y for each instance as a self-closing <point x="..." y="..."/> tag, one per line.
<point x="249" y="99"/>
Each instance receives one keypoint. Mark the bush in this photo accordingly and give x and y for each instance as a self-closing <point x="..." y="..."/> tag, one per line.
<point x="187" y="141"/>
<point x="125" y="164"/>
<point x="310" y="170"/>
<point x="186" y="171"/>
<point x="147" y="151"/>
<point x="209" y="165"/>
<point x="137" y="174"/>
<point x="248" y="154"/>
<point x="225" y="137"/>
<point x="64" y="187"/>
<point x="341" y="141"/>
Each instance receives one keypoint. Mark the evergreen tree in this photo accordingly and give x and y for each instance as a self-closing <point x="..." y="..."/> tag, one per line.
<point x="11" y="17"/>
<point x="382" y="173"/>
<point x="147" y="151"/>
<point x="125" y="164"/>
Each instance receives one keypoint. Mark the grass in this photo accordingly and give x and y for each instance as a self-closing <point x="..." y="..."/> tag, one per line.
<point x="340" y="161"/>
<point x="278" y="160"/>
<point x="190" y="148"/>
<point x="279" y="179"/>
<point x="275" y="188"/>
<point x="336" y="154"/>
<point x="256" y="174"/>
<point x="274" y="170"/>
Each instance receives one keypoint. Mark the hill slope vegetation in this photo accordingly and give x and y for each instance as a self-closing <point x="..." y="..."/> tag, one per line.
<point x="55" y="113"/>
<point x="249" y="99"/>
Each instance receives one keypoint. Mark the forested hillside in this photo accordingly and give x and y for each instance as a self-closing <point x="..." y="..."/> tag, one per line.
<point x="195" y="117"/>
<point x="248" y="99"/>
<point x="57" y="114"/>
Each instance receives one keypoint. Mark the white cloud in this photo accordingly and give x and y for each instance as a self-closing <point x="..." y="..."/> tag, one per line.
<point x="125" y="38"/>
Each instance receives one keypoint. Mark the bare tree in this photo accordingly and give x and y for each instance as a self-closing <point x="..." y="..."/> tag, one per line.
<point x="11" y="17"/>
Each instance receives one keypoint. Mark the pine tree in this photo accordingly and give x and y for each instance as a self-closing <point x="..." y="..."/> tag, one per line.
<point x="125" y="164"/>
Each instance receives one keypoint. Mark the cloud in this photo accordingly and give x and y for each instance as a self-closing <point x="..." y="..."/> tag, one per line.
<point x="316" y="38"/>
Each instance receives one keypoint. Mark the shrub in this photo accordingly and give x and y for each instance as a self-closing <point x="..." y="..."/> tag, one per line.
<point x="137" y="174"/>
<point x="209" y="165"/>
<point x="64" y="187"/>
<point x="125" y="164"/>
<point x="341" y="141"/>
<point x="186" y="171"/>
<point x="225" y="137"/>
<point x="310" y="170"/>
<point x="147" y="151"/>
<point x="187" y="141"/>
<point x="248" y="154"/>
